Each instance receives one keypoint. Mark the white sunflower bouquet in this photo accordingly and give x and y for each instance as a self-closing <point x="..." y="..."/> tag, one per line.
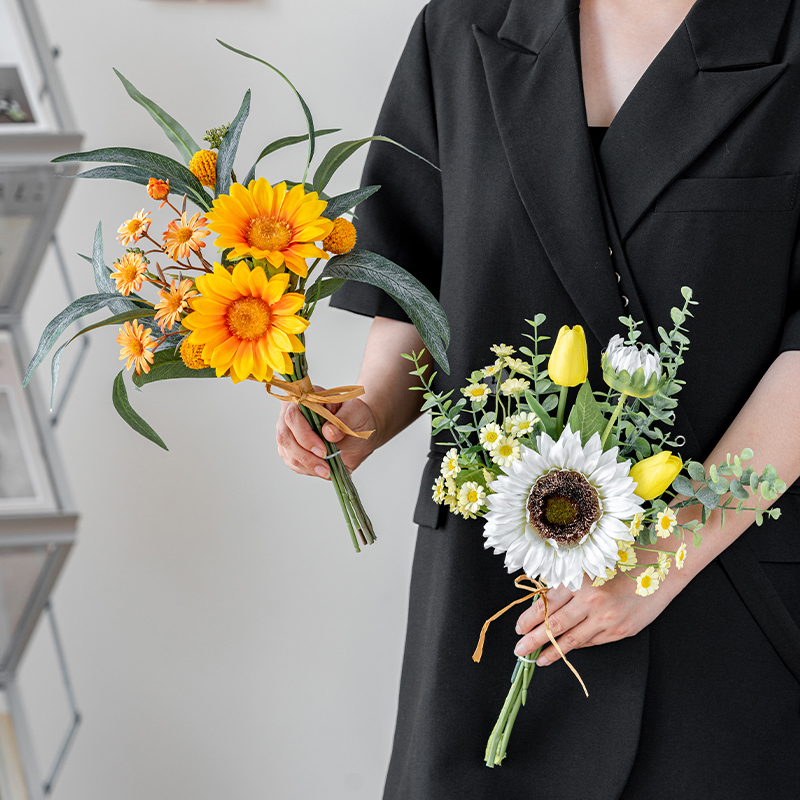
<point x="243" y="312"/>
<point x="585" y="493"/>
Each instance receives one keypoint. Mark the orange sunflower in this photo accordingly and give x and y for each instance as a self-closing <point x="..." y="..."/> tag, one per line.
<point x="182" y="236"/>
<point x="137" y="346"/>
<point x="133" y="229"/>
<point x="173" y="302"/>
<point x="246" y="321"/>
<point x="270" y="222"/>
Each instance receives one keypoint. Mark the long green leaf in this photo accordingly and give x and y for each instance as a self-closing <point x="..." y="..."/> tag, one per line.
<point x="228" y="147"/>
<point x="339" y="153"/>
<point x="322" y="288"/>
<point x="279" y="144"/>
<point x="102" y="277"/>
<point x="412" y="296"/>
<point x="74" y="311"/>
<point x="142" y="176"/>
<point x="306" y="109"/>
<point x="176" y="133"/>
<point x="343" y="203"/>
<point x="168" y="365"/>
<point x="119" y="396"/>
<point x="586" y="416"/>
<point x="159" y="166"/>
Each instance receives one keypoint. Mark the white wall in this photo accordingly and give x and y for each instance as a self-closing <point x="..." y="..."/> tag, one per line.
<point x="224" y="639"/>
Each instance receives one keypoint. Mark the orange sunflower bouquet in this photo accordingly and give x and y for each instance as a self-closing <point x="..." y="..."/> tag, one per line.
<point x="243" y="312"/>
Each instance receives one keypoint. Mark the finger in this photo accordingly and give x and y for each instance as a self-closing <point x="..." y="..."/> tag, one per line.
<point x="302" y="432"/>
<point x="579" y="636"/>
<point x="534" y="615"/>
<point x="296" y="457"/>
<point x="560" y="623"/>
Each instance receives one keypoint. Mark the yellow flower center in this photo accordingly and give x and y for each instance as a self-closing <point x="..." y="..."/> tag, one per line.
<point x="491" y="436"/>
<point x="129" y="271"/>
<point x="665" y="523"/>
<point x="183" y="235"/>
<point x="646" y="581"/>
<point x="134" y="225"/>
<point x="559" y="510"/>
<point x="248" y="318"/>
<point x="622" y="556"/>
<point x="269" y="234"/>
<point x="136" y="347"/>
<point x="505" y="450"/>
<point x="472" y="497"/>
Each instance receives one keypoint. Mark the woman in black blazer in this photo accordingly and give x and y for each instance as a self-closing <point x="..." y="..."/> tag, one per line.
<point x="695" y="691"/>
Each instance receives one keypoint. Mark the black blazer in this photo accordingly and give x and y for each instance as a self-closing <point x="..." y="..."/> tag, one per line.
<point x="700" y="169"/>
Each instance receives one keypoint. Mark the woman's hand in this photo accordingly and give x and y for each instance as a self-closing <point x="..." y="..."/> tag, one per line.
<point x="303" y="450"/>
<point x="592" y="615"/>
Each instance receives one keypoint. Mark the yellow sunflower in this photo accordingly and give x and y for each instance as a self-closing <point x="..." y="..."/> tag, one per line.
<point x="247" y="322"/>
<point x="270" y="222"/>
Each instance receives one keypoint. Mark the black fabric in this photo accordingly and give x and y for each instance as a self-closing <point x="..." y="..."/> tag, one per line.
<point x="597" y="134"/>
<point x="693" y="184"/>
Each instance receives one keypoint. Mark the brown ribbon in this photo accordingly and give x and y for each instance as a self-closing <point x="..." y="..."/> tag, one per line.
<point x="538" y="588"/>
<point x="302" y="393"/>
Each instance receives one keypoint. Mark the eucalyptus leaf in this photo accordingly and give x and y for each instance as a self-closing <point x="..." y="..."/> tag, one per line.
<point x="343" y="203"/>
<point x="102" y="276"/>
<point x="696" y="471"/>
<point x="74" y="311"/>
<point x="228" y="147"/>
<point x="322" y="288"/>
<point x="412" y="296"/>
<point x="682" y="485"/>
<point x="119" y="397"/>
<point x="176" y="133"/>
<point x="738" y="491"/>
<point x="719" y="486"/>
<point x="279" y="144"/>
<point x="339" y="153"/>
<point x="158" y="166"/>
<point x="708" y="498"/>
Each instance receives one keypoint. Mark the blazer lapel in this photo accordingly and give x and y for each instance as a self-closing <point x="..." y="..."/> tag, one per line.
<point x="716" y="63"/>
<point x="534" y="78"/>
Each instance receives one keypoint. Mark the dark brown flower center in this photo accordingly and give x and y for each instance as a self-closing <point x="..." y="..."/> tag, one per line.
<point x="563" y="506"/>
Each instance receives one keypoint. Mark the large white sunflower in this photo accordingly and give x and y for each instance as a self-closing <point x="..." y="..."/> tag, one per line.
<point x="561" y="509"/>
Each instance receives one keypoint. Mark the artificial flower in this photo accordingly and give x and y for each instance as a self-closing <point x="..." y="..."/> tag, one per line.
<point x="133" y="229"/>
<point x="130" y="273"/>
<point x="517" y="365"/>
<point x="270" y="222"/>
<point x="489" y="435"/>
<point x="626" y="556"/>
<point x="439" y="491"/>
<point x="477" y="392"/>
<point x="492" y="369"/>
<point x="203" y="165"/>
<point x="342" y="238"/>
<point x="680" y="556"/>
<point x="665" y="522"/>
<point x="506" y="451"/>
<point x="569" y="361"/>
<point x="192" y="354"/>
<point x="248" y="323"/>
<point x="472" y="497"/>
<point x="184" y="236"/>
<point x="647" y="582"/>
<point x="560" y="510"/>
<point x="664" y="563"/>
<point x="636" y="524"/>
<point x="502" y="350"/>
<point x="514" y="386"/>
<point x="450" y="466"/>
<point x="158" y="189"/>
<point x="521" y="424"/>
<point x="137" y="346"/>
<point x="173" y="303"/>
<point x="610" y="573"/>
<point x="655" y="474"/>
<point x="631" y="369"/>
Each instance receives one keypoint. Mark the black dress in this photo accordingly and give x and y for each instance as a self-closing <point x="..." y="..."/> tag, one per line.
<point x="694" y="183"/>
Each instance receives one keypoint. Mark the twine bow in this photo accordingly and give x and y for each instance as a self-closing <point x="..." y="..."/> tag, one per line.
<point x="537" y="588"/>
<point x="302" y="393"/>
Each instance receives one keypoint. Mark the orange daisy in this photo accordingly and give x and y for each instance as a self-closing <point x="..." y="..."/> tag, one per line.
<point x="247" y="322"/>
<point x="270" y="222"/>
<point x="173" y="303"/>
<point x="133" y="229"/>
<point x="130" y="273"/>
<point x="182" y="236"/>
<point x="137" y="346"/>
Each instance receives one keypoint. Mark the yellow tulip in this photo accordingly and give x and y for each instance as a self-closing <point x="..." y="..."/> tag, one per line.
<point x="654" y="475"/>
<point x="569" y="361"/>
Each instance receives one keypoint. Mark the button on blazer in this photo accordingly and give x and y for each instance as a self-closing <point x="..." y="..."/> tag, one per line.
<point x="695" y="184"/>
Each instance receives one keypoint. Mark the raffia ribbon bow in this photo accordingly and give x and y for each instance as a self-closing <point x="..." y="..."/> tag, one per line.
<point x="536" y="587"/>
<point x="302" y="393"/>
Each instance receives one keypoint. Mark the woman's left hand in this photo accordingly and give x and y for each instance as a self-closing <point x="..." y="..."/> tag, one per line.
<point x="592" y="615"/>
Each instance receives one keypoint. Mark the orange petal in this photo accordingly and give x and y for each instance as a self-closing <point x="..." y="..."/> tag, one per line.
<point x="275" y="359"/>
<point x="241" y="278"/>
<point x="224" y="353"/>
<point x="262" y="194"/>
<point x="297" y="345"/>
<point x="294" y="197"/>
<point x="279" y="193"/>
<point x="295" y="264"/>
<point x="245" y="199"/>
<point x="275" y="288"/>
<point x="260" y="364"/>
<point x="290" y="324"/>
<point x="258" y="282"/>
<point x="209" y="307"/>
<point x="289" y="304"/>
<point x="278" y="339"/>
<point x="243" y="360"/>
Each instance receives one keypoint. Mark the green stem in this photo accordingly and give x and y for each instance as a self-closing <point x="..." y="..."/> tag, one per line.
<point x="562" y="405"/>
<point x="610" y="425"/>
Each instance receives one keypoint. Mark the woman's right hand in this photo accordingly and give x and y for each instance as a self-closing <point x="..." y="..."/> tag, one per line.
<point x="303" y="450"/>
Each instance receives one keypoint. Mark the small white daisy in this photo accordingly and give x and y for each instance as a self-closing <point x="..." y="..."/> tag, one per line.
<point x="626" y="556"/>
<point x="450" y="467"/>
<point x="492" y="369"/>
<point x="439" y="491"/>
<point x="664" y="563"/>
<point x="490" y="435"/>
<point x="472" y="497"/>
<point x="502" y="350"/>
<point x="665" y="522"/>
<point x="517" y="365"/>
<point x="680" y="556"/>
<point x="506" y="451"/>
<point x="514" y="386"/>
<point x="610" y="573"/>
<point x="521" y="424"/>
<point x="477" y="392"/>
<point x="647" y="582"/>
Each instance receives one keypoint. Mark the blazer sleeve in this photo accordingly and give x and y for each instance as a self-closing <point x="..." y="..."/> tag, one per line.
<point x="791" y="327"/>
<point x="403" y="220"/>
